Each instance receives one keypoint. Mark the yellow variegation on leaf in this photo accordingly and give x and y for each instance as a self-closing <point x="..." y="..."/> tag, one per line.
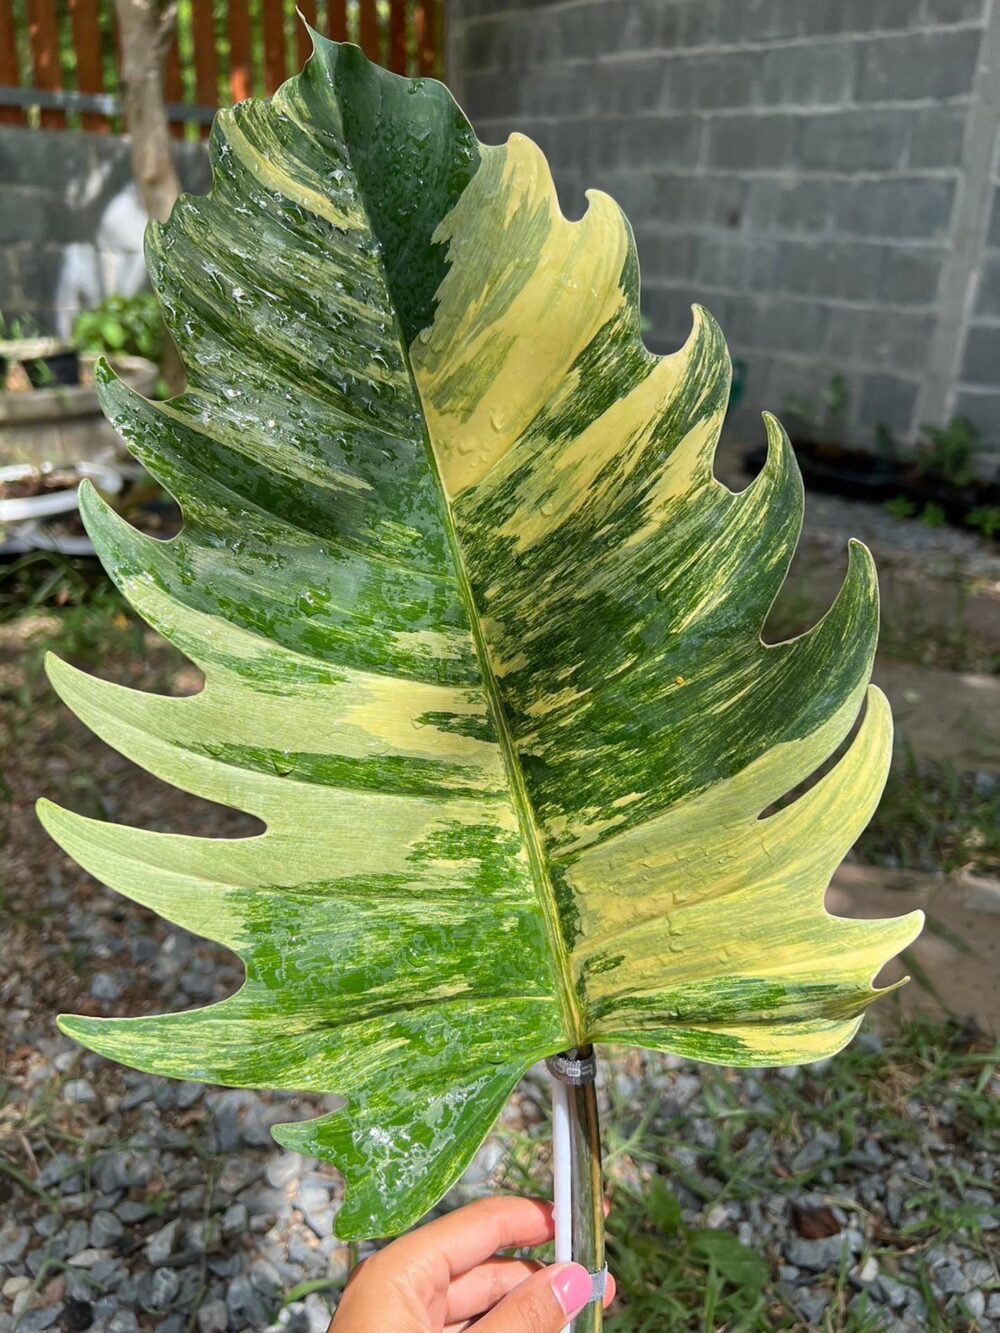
<point x="481" y="636"/>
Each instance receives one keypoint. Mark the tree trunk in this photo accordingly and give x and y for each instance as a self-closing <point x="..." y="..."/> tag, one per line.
<point x="146" y="29"/>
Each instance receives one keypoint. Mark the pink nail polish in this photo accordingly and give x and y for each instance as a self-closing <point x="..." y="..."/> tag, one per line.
<point x="572" y="1286"/>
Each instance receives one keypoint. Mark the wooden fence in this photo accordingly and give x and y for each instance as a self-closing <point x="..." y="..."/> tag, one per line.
<point x="59" y="59"/>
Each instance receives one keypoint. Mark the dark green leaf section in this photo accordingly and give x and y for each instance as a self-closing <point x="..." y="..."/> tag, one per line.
<point x="390" y="773"/>
<point x="414" y="153"/>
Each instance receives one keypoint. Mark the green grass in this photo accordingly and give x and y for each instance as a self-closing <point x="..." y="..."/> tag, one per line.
<point x="65" y="605"/>
<point x="933" y="817"/>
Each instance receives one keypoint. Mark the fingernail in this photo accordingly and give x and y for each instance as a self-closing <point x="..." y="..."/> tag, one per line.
<point x="573" y="1286"/>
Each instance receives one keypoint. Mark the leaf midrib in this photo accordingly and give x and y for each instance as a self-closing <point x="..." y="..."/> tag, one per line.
<point x="530" y="833"/>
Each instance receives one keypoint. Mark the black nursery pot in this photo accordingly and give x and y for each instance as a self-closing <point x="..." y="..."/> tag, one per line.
<point x="60" y="368"/>
<point x="840" y="471"/>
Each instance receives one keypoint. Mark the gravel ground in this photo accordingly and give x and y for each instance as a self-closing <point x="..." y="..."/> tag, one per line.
<point x="939" y="551"/>
<point x="935" y="551"/>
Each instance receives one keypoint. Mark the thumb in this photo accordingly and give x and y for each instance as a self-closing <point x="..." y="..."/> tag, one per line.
<point x="543" y="1303"/>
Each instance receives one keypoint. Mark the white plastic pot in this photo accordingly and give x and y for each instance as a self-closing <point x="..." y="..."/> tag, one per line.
<point x="30" y="508"/>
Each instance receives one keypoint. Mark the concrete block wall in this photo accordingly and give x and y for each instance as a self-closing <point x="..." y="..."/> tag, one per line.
<point x="801" y="167"/>
<point x="977" y="393"/>
<point x="71" y="223"/>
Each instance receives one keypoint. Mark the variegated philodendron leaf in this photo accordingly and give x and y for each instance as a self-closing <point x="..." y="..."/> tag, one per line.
<point x="481" y="636"/>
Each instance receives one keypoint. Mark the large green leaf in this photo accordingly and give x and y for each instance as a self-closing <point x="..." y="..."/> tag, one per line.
<point x="481" y="642"/>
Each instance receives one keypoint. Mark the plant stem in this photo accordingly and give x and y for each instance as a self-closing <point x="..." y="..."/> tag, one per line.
<point x="588" y="1193"/>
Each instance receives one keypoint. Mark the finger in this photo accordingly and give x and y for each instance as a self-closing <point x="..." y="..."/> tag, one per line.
<point x="483" y="1286"/>
<point x="545" y="1303"/>
<point x="610" y="1292"/>
<point x="469" y="1235"/>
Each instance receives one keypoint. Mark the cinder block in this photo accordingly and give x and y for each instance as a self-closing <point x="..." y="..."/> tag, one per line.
<point x="636" y="27"/>
<point x="669" y="255"/>
<point x="988" y="294"/>
<point x="751" y="143"/>
<point x="953" y="11"/>
<point x="613" y="28"/>
<point x="694" y="25"/>
<point x="859" y="266"/>
<point x="910" y="275"/>
<point x="628" y="87"/>
<point x="774" y="382"/>
<point x="30" y="158"/>
<point x="807" y="268"/>
<point x="849" y="141"/>
<point x="471" y="9"/>
<point x="10" y="290"/>
<point x="537" y="38"/>
<point x="578" y="32"/>
<point x="981" y="359"/>
<point x="888" y="400"/>
<point x="723" y="81"/>
<point x="599" y="143"/>
<point x="993" y="231"/>
<point x="701" y="201"/>
<point x="982" y="407"/>
<point x="826" y="267"/>
<point x="824" y="17"/>
<point x="480" y="45"/>
<point x="763" y="257"/>
<point x="490" y="96"/>
<point x="37" y="271"/>
<point x="936" y="136"/>
<point x="790" y="204"/>
<point x="804" y="75"/>
<point x="565" y="90"/>
<point x="25" y="211"/>
<point x="894" y="339"/>
<point x="908" y="207"/>
<point x="917" y="65"/>
<point x="635" y="191"/>
<point x="758" y="20"/>
<point x="654" y="142"/>
<point x="678" y="90"/>
<point x="775" y="323"/>
<point x="721" y="260"/>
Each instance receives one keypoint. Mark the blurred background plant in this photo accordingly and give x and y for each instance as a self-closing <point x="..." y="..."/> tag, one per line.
<point x="126" y="325"/>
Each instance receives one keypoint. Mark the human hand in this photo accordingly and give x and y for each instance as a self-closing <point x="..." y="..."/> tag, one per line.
<point x="446" y="1277"/>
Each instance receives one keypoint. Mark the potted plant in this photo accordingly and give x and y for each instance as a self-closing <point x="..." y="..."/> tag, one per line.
<point x="49" y="413"/>
<point x="43" y="361"/>
<point x="122" y="326"/>
<point x="36" y="503"/>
